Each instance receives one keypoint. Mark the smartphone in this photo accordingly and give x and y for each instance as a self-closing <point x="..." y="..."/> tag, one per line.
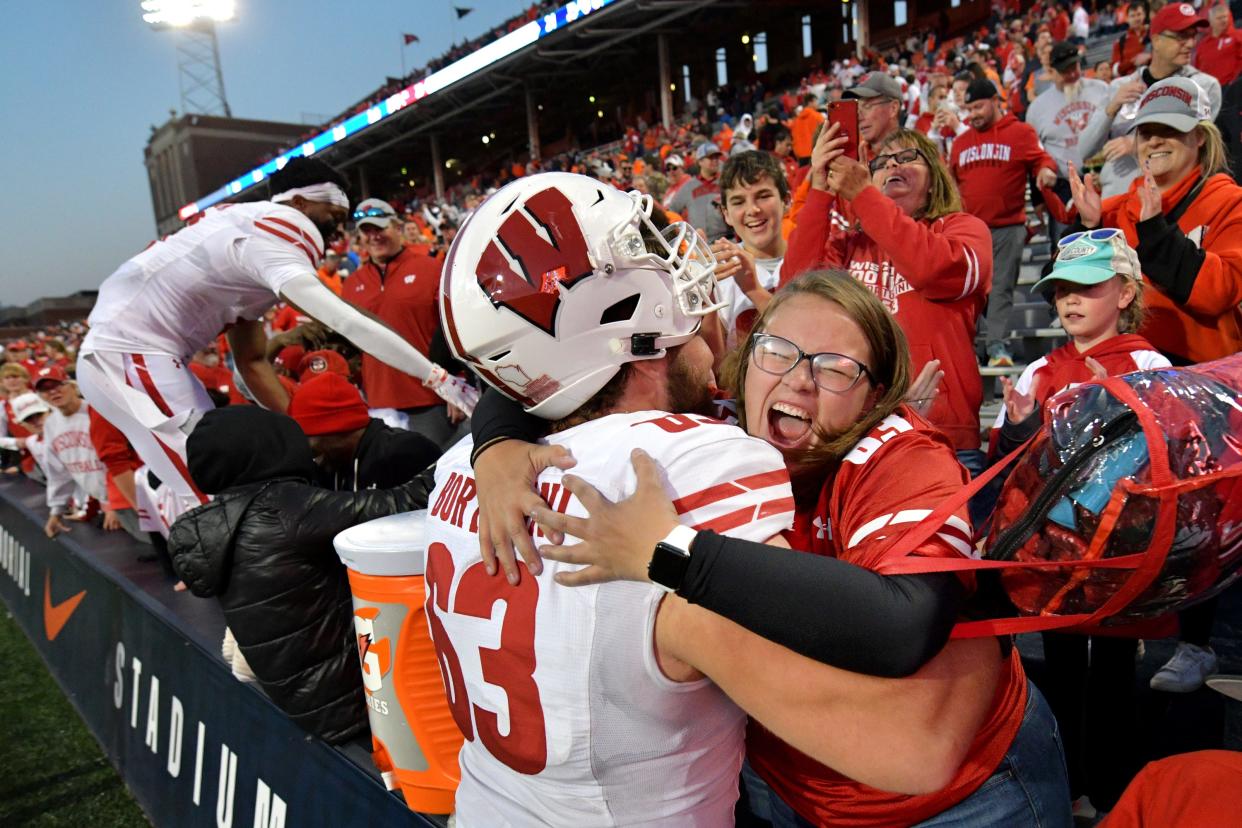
<point x="845" y="113"/>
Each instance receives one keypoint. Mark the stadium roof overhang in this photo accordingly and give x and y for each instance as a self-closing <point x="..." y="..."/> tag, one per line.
<point x="585" y="48"/>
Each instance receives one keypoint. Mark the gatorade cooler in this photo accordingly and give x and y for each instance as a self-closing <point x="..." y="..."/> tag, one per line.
<point x="416" y="739"/>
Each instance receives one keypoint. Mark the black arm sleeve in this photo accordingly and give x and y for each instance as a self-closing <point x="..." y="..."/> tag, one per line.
<point x="497" y="418"/>
<point x="1169" y="259"/>
<point x="829" y="610"/>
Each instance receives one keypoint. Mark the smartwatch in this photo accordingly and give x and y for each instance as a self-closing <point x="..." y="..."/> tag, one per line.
<point x="671" y="559"/>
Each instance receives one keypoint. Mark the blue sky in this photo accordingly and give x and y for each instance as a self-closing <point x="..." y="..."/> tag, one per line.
<point x="82" y="81"/>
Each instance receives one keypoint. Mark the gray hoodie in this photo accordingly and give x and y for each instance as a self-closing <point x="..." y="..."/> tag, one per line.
<point x="1116" y="175"/>
<point x="1060" y="123"/>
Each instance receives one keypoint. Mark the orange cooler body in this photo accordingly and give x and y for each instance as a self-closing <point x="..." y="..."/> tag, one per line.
<point x="416" y="739"/>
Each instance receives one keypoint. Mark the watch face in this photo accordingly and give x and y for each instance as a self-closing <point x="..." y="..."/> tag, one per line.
<point x="668" y="565"/>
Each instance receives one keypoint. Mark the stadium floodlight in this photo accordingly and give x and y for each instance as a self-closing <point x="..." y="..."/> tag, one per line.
<point x="198" y="53"/>
<point x="180" y="13"/>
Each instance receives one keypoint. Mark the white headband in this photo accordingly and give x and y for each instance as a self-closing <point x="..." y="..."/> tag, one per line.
<point x="329" y="193"/>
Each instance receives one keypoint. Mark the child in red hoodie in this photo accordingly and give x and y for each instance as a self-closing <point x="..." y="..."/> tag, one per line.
<point x="1098" y="293"/>
<point x="1088" y="677"/>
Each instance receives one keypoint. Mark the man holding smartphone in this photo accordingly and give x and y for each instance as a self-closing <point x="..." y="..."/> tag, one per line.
<point x="879" y="110"/>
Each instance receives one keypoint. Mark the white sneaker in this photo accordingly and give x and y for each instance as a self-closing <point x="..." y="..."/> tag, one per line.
<point x="1083" y="809"/>
<point x="1186" y="671"/>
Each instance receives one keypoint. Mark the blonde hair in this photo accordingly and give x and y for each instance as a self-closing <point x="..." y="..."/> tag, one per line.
<point x="14" y="369"/>
<point x="942" y="195"/>
<point x="1213" y="157"/>
<point x="890" y="356"/>
<point x="1134" y="314"/>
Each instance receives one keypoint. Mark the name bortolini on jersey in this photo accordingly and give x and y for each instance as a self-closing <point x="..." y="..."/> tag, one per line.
<point x="567" y="717"/>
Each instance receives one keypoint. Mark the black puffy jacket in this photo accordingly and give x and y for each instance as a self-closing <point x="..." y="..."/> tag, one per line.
<point x="263" y="548"/>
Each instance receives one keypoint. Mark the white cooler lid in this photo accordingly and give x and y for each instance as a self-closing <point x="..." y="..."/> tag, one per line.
<point x="390" y="545"/>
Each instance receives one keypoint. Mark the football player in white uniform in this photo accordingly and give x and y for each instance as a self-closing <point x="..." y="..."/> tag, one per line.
<point x="593" y="706"/>
<point x="221" y="273"/>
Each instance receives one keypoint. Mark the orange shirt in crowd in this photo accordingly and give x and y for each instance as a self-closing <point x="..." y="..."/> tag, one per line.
<point x="332" y="280"/>
<point x="1190" y="790"/>
<point x="1208" y="325"/>
<point x="802" y="127"/>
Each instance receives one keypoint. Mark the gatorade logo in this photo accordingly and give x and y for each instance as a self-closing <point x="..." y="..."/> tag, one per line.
<point x="55" y="616"/>
<point x="374" y="656"/>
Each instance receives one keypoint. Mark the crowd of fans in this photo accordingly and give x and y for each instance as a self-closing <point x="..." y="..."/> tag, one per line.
<point x="967" y="149"/>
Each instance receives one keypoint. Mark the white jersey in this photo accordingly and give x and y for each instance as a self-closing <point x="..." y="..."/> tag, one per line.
<point x="158" y="507"/>
<point x="734" y="315"/>
<point x="70" y="461"/>
<point x="569" y="720"/>
<point x="176" y="296"/>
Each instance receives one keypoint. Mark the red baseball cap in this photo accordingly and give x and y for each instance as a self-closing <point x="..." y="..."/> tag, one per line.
<point x="50" y="373"/>
<point x="1176" y="17"/>
<point x="17" y="345"/>
<point x="290" y="357"/>
<point x="322" y="362"/>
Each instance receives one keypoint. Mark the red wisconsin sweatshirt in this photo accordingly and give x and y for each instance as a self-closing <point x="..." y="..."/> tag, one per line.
<point x="991" y="167"/>
<point x="933" y="276"/>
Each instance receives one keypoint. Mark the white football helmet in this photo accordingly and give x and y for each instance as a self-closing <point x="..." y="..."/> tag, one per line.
<point x="550" y="287"/>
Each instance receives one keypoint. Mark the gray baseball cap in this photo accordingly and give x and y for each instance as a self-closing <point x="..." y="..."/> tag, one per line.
<point x="374" y="211"/>
<point x="875" y="85"/>
<point x="705" y="149"/>
<point x="1176" y="102"/>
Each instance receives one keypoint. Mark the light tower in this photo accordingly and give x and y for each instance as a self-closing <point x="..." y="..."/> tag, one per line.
<point x="198" y="55"/>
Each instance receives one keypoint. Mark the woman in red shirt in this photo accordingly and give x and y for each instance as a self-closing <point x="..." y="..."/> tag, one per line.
<point x="909" y="241"/>
<point x="865" y="468"/>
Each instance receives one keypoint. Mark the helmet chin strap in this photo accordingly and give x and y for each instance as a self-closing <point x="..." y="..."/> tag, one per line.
<point x="653" y="344"/>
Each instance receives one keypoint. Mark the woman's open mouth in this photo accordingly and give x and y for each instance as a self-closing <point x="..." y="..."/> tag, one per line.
<point x="788" y="425"/>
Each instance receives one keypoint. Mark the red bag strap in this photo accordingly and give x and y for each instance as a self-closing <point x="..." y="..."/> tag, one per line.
<point x="914" y="537"/>
<point x="1166" y="511"/>
<point x="1146" y="566"/>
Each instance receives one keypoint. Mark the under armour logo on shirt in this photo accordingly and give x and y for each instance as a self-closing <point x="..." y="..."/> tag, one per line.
<point x="822" y="529"/>
<point x="409" y="280"/>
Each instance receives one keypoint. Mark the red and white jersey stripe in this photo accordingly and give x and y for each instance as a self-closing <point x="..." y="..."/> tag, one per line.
<point x="894" y="477"/>
<point x="574" y="723"/>
<point x="176" y="296"/>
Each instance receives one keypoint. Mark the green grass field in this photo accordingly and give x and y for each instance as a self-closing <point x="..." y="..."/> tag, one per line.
<point x="54" y="772"/>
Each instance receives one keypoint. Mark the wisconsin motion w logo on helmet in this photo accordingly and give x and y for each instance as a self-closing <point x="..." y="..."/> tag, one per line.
<point x="557" y="280"/>
<point x="547" y="263"/>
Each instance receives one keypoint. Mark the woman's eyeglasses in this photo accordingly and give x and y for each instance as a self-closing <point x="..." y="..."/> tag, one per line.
<point x="832" y="372"/>
<point x="906" y="156"/>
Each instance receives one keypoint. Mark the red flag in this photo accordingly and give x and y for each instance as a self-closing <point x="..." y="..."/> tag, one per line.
<point x="409" y="38"/>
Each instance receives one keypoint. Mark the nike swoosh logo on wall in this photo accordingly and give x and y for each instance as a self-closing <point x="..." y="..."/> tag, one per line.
<point x="55" y="616"/>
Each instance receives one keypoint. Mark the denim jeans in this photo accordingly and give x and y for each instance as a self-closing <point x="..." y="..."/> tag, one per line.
<point x="982" y="504"/>
<point x="1028" y="789"/>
